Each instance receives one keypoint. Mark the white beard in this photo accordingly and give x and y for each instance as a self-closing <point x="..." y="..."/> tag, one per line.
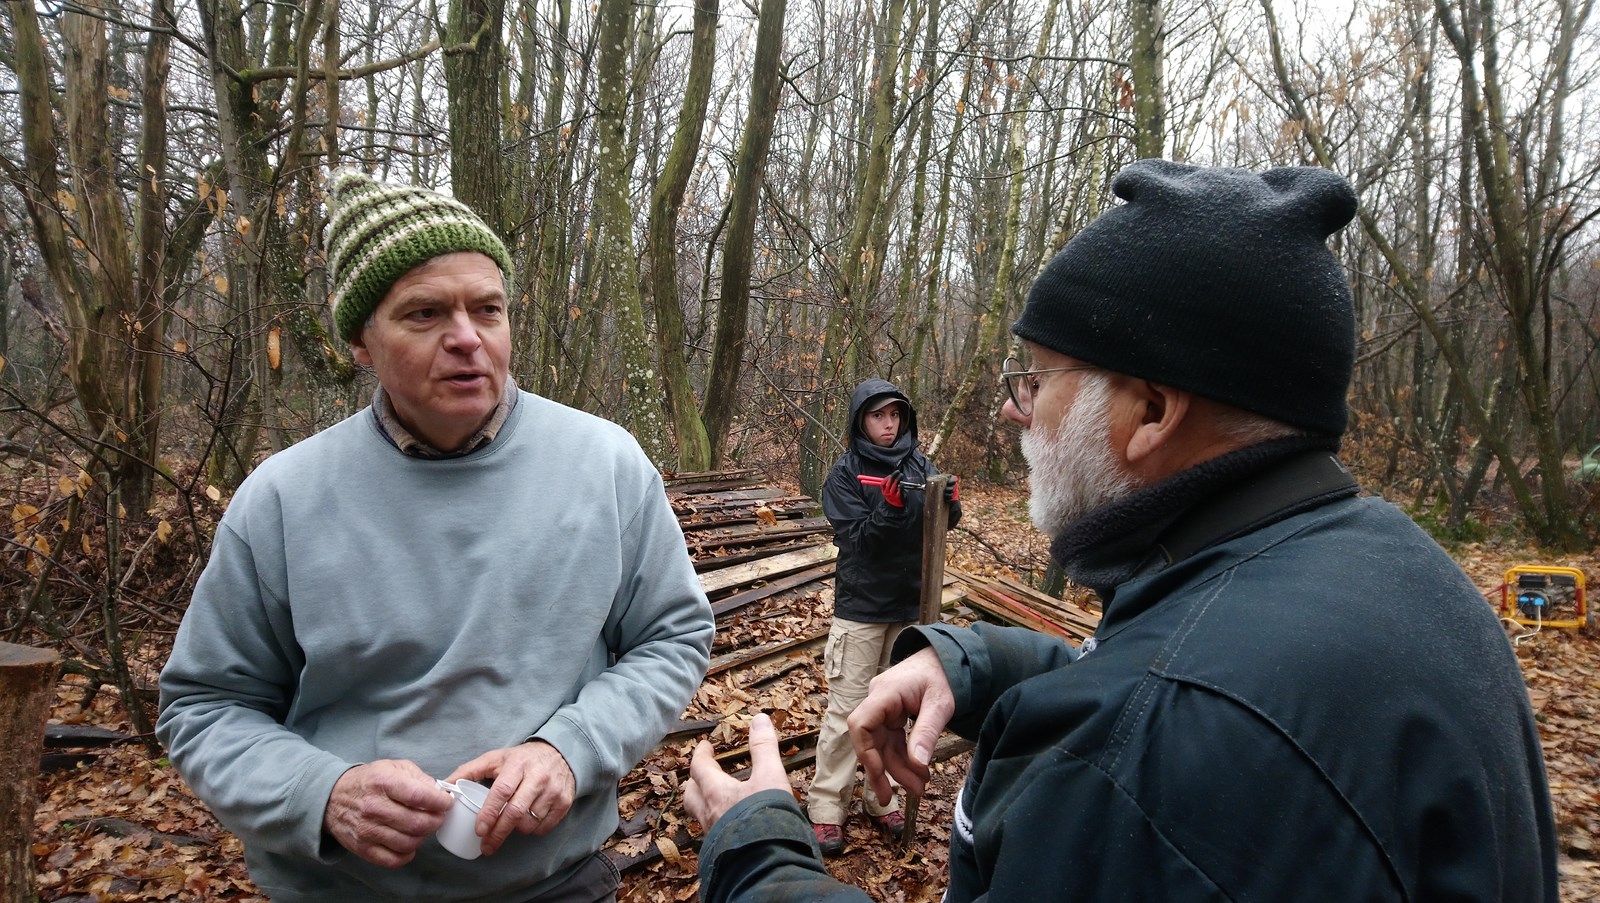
<point x="1074" y="472"/>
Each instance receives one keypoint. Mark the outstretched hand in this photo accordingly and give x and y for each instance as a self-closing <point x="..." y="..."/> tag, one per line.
<point x="916" y="688"/>
<point x="711" y="792"/>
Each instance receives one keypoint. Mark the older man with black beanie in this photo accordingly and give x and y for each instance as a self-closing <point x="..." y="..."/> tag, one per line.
<point x="1293" y="694"/>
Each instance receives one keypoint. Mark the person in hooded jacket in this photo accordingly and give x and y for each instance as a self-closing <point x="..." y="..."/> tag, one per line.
<point x="877" y="587"/>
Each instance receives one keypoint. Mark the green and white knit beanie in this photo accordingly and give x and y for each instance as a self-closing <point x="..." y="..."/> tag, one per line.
<point x="378" y="231"/>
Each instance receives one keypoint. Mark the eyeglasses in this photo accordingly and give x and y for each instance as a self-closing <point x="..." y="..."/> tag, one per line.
<point x="1020" y="383"/>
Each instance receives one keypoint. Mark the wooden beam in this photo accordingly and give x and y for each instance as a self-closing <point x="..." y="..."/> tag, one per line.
<point x="935" y="521"/>
<point x="713" y="485"/>
<point x="755" y="535"/>
<point x="766" y="568"/>
<point x="715" y="562"/>
<point x="760" y="654"/>
<point x="678" y="480"/>
<point x="783" y="584"/>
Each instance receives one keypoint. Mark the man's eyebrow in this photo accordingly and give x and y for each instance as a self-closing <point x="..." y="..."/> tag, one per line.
<point x="411" y="301"/>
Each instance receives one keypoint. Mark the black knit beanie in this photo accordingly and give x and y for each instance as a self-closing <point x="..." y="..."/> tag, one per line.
<point x="1217" y="281"/>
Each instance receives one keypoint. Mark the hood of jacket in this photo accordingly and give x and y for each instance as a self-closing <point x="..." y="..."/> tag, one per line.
<point x="905" y="443"/>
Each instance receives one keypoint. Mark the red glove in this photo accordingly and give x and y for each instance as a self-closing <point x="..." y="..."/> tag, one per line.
<point x="891" y="491"/>
<point x="952" y="489"/>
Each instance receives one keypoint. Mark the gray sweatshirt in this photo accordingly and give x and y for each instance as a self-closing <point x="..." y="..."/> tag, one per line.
<point x="360" y="604"/>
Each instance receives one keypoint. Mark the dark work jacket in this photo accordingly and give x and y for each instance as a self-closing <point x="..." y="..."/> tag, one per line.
<point x="879" y="573"/>
<point x="1321" y="707"/>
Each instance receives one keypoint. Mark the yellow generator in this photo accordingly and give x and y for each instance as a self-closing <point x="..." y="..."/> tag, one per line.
<point x="1540" y="595"/>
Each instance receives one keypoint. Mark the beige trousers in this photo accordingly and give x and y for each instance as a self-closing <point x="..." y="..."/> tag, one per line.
<point x="857" y="651"/>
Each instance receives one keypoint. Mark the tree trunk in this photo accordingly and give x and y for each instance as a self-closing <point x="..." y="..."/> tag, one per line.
<point x="246" y="116"/>
<point x="472" y="67"/>
<point x="941" y="216"/>
<point x="727" y="352"/>
<point x="642" y="391"/>
<point x="858" y="263"/>
<point x="911" y="267"/>
<point x="1410" y="289"/>
<point x="553" y="185"/>
<point x="27" y="685"/>
<point x="844" y="336"/>
<point x="694" y="450"/>
<point x="98" y="289"/>
<point x="993" y="317"/>
<point x="1149" y="87"/>
<point x="1518" y="219"/>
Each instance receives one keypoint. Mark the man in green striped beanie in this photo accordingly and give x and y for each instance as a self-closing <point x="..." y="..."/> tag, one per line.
<point x="462" y="584"/>
<point x="417" y="247"/>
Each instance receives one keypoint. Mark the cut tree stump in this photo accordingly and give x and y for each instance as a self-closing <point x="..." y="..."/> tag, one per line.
<point x="27" y="686"/>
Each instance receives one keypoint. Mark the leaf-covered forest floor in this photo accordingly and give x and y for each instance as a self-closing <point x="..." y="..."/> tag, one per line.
<point x="122" y="826"/>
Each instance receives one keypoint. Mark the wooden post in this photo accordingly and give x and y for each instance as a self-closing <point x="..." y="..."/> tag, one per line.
<point x="935" y="516"/>
<point x="27" y="687"/>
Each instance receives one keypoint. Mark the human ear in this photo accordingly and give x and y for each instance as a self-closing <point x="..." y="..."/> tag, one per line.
<point x="358" y="351"/>
<point x="1161" y="410"/>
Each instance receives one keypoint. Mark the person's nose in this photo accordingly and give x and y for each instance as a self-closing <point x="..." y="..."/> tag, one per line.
<point x="1010" y="412"/>
<point x="462" y="336"/>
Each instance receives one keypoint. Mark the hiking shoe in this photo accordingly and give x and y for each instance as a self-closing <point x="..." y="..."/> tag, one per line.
<point x="891" y="823"/>
<point x="831" y="838"/>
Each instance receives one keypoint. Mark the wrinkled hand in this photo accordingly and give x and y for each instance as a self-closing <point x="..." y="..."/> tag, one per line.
<point x="532" y="792"/>
<point x="892" y="493"/>
<point x="915" y="688"/>
<point x="952" y="489"/>
<point x="382" y="811"/>
<point x="711" y="792"/>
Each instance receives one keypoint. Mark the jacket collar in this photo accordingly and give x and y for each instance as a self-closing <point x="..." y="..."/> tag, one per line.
<point x="1212" y="502"/>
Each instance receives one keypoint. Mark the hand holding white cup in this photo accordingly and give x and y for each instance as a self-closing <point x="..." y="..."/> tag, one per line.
<point x="459" y="832"/>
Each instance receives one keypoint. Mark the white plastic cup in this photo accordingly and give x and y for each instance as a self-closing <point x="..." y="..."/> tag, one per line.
<point x="459" y="832"/>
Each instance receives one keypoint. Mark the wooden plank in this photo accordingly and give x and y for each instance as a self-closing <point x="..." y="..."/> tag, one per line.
<point x="730" y="512"/>
<point x="1033" y="596"/>
<point x="740" y="600"/>
<point x="754" y="534"/>
<point x="1013" y="617"/>
<point x="717" y="485"/>
<point x="1021" y="595"/>
<point x="67" y="736"/>
<point x="935" y="522"/>
<point x="1053" y="613"/>
<point x="747" y="525"/>
<point x="753" y="657"/>
<point x="1007" y="609"/>
<point x="678" y="479"/>
<point x="733" y="519"/>
<point x="714" y="562"/>
<point x="731" y="497"/>
<point x="766" y="568"/>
